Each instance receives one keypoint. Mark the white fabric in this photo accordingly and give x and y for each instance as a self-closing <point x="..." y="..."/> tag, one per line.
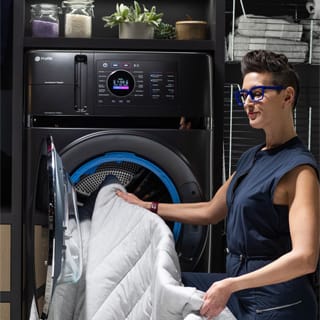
<point x="261" y="26"/>
<point x="33" y="311"/>
<point x="239" y="45"/>
<point x="132" y="270"/>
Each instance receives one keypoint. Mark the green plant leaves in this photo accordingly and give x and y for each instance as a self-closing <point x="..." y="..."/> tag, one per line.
<point x="134" y="13"/>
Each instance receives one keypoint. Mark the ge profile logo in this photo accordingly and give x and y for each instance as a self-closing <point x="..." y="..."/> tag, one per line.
<point x="38" y="58"/>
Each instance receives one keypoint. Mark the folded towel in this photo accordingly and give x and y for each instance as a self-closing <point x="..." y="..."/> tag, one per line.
<point x="261" y="26"/>
<point x="296" y="51"/>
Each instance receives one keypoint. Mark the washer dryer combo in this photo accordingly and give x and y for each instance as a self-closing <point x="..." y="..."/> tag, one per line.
<point x="144" y="117"/>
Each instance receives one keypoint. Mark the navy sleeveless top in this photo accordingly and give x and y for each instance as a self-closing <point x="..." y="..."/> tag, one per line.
<point x="252" y="216"/>
<point x="258" y="230"/>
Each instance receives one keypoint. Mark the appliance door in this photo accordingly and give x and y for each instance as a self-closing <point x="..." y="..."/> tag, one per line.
<point x="145" y="167"/>
<point x="55" y="224"/>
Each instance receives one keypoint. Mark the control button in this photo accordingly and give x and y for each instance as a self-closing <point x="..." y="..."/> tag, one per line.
<point x="156" y="75"/>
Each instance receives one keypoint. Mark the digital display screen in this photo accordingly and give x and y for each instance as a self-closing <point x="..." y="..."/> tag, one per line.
<point x="121" y="87"/>
<point x="121" y="83"/>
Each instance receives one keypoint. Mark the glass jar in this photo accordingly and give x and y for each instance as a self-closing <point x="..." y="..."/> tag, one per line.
<point x="44" y="20"/>
<point x="78" y="18"/>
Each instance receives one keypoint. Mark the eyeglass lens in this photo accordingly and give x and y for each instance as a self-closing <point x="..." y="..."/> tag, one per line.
<point x="255" y="93"/>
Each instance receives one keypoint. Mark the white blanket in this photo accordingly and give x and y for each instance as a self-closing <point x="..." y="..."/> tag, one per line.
<point x="131" y="269"/>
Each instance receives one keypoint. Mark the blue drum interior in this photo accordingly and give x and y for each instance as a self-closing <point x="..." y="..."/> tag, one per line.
<point x="138" y="175"/>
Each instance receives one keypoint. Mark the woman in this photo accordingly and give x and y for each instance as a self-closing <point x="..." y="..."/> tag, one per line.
<point x="271" y="204"/>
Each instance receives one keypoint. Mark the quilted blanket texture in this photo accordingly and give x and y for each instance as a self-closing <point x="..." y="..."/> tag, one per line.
<point x="131" y="269"/>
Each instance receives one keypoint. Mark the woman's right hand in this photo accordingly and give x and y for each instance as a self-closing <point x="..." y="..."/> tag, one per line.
<point x="132" y="198"/>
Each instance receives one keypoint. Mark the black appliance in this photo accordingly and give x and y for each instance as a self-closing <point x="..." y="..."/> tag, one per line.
<point x="145" y="117"/>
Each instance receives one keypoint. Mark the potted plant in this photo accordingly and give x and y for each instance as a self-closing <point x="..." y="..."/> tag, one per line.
<point x="134" y="22"/>
<point x="165" y="31"/>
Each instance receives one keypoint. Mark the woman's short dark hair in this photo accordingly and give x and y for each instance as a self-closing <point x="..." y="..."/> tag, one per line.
<point x="283" y="73"/>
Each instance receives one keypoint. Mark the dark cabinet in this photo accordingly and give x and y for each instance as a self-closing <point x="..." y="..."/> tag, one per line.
<point x="105" y="39"/>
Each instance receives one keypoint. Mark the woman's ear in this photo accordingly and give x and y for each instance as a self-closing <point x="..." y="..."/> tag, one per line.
<point x="290" y="96"/>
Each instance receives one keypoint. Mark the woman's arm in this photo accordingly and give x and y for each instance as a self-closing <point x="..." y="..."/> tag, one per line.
<point x="302" y="194"/>
<point x="201" y="213"/>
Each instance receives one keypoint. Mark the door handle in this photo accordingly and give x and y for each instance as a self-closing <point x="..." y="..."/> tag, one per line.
<point x="80" y="83"/>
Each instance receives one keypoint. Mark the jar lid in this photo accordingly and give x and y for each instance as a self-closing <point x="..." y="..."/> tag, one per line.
<point x="78" y="2"/>
<point x="47" y="6"/>
<point x="191" y="22"/>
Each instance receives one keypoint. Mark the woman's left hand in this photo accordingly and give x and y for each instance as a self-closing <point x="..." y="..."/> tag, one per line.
<point x="132" y="198"/>
<point x="216" y="298"/>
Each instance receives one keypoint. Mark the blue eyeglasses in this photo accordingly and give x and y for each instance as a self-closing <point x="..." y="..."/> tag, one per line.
<point x="256" y="93"/>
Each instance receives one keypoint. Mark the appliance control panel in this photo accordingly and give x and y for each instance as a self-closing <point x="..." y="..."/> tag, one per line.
<point x="117" y="83"/>
<point x="136" y="82"/>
